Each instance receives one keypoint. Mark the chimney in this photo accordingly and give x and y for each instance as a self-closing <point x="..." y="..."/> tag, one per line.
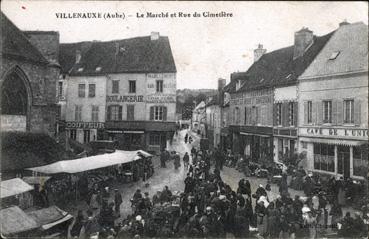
<point x="78" y="56"/>
<point x="303" y="39"/>
<point x="259" y="52"/>
<point x="154" y="36"/>
<point x="221" y="84"/>
<point x="344" y="23"/>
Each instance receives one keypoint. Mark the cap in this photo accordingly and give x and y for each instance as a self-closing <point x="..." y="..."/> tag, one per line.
<point x="138" y="218"/>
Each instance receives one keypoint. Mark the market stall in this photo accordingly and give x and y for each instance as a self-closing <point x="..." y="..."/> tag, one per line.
<point x="75" y="179"/>
<point x="16" y="192"/>
<point x="53" y="221"/>
<point x="16" y="223"/>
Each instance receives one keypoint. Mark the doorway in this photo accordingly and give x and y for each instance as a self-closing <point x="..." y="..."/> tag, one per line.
<point x="343" y="157"/>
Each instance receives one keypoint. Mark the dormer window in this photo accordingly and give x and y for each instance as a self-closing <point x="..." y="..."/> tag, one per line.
<point x="261" y="81"/>
<point x="334" y="55"/>
<point x="238" y="85"/>
<point x="98" y="69"/>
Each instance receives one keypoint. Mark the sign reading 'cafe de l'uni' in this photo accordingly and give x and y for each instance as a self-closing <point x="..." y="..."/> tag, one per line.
<point x="334" y="132"/>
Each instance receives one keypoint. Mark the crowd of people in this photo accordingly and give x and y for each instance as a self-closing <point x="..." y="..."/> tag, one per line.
<point x="209" y="208"/>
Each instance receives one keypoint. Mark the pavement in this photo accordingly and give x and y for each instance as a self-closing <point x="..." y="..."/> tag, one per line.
<point x="174" y="179"/>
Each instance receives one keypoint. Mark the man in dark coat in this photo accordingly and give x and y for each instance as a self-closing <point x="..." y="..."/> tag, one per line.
<point x="117" y="200"/>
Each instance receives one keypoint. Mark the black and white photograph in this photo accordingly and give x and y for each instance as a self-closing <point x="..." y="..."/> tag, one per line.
<point x="184" y="119"/>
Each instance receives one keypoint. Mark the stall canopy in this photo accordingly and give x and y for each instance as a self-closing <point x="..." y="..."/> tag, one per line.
<point x="13" y="187"/>
<point x="91" y="163"/>
<point x="49" y="217"/>
<point x="13" y="220"/>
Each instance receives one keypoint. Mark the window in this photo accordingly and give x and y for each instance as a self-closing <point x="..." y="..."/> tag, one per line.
<point x="236" y="115"/>
<point x="81" y="90"/>
<point x="78" y="113"/>
<point x="279" y="113"/>
<point x="304" y="145"/>
<point x="309" y="112"/>
<point x="291" y="113"/>
<point x="324" y="157"/>
<point x="158" y="113"/>
<point x="159" y="86"/>
<point x="60" y="89"/>
<point x="115" y="112"/>
<point x="132" y="86"/>
<point x="327" y="111"/>
<point x="73" y="134"/>
<point x="246" y="115"/>
<point x="95" y="113"/>
<point x="348" y="109"/>
<point x="154" y="139"/>
<point x="115" y="87"/>
<point x="130" y="112"/>
<point x="91" y="90"/>
<point x="360" y="162"/>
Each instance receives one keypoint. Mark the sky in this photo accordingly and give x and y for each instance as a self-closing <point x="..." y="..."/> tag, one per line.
<point x="204" y="49"/>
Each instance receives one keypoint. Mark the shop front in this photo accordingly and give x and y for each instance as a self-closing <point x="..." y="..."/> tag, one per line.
<point x="84" y="132"/>
<point x="255" y="143"/>
<point x="336" y="151"/>
<point x="134" y="135"/>
<point x="285" y="144"/>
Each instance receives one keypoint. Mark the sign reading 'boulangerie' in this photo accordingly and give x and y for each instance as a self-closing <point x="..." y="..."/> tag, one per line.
<point x="124" y="98"/>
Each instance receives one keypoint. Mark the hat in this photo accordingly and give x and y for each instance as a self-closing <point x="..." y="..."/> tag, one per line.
<point x="138" y="218"/>
<point x="305" y="209"/>
<point x="222" y="197"/>
<point x="261" y="185"/>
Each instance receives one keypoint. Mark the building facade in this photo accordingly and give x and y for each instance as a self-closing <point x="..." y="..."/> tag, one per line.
<point x="333" y="105"/>
<point x="122" y="90"/>
<point x="28" y="79"/>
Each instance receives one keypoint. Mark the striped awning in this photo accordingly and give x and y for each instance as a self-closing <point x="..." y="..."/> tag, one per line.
<point x="334" y="141"/>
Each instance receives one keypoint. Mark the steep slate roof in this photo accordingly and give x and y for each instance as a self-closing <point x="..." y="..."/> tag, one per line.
<point x="134" y="55"/>
<point x="278" y="68"/>
<point x="351" y="41"/>
<point x="14" y="43"/>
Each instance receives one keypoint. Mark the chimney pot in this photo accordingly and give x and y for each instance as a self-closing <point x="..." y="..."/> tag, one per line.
<point x="154" y="36"/>
<point x="344" y="23"/>
<point x="303" y="39"/>
<point x="259" y="52"/>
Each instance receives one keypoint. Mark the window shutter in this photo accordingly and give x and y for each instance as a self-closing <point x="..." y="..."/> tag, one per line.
<point x="295" y="113"/>
<point x="120" y="112"/>
<point x="334" y="112"/>
<point x="109" y="112"/>
<point x="319" y="112"/>
<point x="285" y="114"/>
<point x="164" y="113"/>
<point x="314" y="110"/>
<point x="339" y="112"/>
<point x="275" y="114"/>
<point x="357" y="112"/>
<point x="152" y="113"/>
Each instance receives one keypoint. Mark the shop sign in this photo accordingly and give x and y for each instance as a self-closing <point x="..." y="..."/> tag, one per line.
<point x="161" y="98"/>
<point x="85" y="125"/>
<point x="13" y="123"/>
<point x="165" y="85"/>
<point x="339" y="132"/>
<point x="124" y="98"/>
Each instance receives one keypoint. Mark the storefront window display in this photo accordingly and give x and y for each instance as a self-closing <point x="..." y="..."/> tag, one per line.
<point x="360" y="161"/>
<point x="324" y="157"/>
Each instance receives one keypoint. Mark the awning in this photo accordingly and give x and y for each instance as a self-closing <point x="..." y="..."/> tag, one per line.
<point x="13" y="220"/>
<point x="49" y="217"/>
<point x="13" y="187"/>
<point x="260" y="135"/>
<point x="36" y="180"/>
<point x="334" y="141"/>
<point x="91" y="163"/>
